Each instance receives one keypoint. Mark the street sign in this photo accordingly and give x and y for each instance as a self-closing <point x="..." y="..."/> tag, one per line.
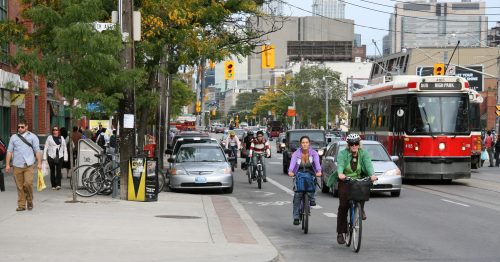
<point x="450" y="71"/>
<point x="103" y="26"/>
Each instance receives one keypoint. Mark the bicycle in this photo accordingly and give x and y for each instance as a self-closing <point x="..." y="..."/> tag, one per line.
<point x="259" y="170"/>
<point x="250" y="171"/>
<point x="359" y="190"/>
<point x="98" y="178"/>
<point x="305" y="184"/>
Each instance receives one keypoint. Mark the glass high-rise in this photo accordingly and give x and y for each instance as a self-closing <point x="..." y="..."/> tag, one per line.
<point x="329" y="8"/>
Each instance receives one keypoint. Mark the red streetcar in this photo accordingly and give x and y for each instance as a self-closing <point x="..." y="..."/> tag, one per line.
<point x="422" y="120"/>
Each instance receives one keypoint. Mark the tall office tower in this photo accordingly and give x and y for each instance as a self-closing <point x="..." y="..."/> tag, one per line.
<point x="438" y="24"/>
<point x="329" y="8"/>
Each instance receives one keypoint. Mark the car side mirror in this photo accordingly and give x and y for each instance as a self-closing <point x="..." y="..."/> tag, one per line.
<point x="395" y="158"/>
<point x="168" y="151"/>
<point x="329" y="140"/>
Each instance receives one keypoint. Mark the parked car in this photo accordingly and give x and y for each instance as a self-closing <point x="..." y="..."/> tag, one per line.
<point x="185" y="134"/>
<point x="280" y="143"/>
<point x="292" y="143"/>
<point x="388" y="173"/>
<point x="189" y="140"/>
<point x="198" y="166"/>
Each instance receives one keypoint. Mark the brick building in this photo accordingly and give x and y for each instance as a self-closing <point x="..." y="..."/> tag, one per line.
<point x="27" y="97"/>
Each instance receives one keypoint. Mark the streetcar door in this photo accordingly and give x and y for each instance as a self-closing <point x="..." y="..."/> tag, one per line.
<point x="399" y="114"/>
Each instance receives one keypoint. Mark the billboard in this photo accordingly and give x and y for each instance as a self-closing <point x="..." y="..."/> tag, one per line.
<point x="476" y="80"/>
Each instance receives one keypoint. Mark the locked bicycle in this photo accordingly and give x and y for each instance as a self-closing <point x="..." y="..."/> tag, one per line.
<point x="359" y="190"/>
<point x="89" y="180"/>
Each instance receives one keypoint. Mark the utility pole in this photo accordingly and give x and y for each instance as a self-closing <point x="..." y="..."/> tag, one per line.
<point x="127" y="104"/>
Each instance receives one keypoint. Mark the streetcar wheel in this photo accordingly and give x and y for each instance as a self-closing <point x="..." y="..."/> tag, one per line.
<point x="357" y="228"/>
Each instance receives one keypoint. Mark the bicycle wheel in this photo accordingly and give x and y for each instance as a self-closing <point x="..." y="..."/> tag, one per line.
<point x="88" y="182"/>
<point x="78" y="170"/>
<point x="305" y="201"/>
<point x="357" y="228"/>
<point x="350" y="215"/>
<point x="161" y="182"/>
<point x="259" y="179"/>
<point x="249" y="174"/>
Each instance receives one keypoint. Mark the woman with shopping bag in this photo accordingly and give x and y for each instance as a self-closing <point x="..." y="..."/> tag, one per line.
<point x="55" y="153"/>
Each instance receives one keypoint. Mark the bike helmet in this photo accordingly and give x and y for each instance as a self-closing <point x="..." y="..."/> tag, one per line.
<point x="353" y="138"/>
<point x="250" y="133"/>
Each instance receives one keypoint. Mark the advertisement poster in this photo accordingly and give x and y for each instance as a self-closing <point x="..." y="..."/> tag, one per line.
<point x="151" y="179"/>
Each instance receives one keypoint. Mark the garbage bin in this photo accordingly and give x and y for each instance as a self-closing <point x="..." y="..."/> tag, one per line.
<point x="150" y="148"/>
<point x="143" y="179"/>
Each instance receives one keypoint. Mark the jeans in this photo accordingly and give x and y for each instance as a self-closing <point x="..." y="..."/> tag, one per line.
<point x="490" y="155"/>
<point x="235" y="153"/>
<point x="254" y="163"/>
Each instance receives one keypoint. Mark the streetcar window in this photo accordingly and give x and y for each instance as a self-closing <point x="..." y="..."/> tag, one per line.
<point x="438" y="114"/>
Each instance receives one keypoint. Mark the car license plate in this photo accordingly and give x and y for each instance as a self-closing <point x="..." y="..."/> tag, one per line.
<point x="200" y="179"/>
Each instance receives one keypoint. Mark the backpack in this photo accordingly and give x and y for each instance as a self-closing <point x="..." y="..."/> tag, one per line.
<point x="3" y="150"/>
<point x="112" y="141"/>
<point x="100" y="140"/>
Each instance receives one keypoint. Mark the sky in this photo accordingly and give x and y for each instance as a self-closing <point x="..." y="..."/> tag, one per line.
<point x="372" y="18"/>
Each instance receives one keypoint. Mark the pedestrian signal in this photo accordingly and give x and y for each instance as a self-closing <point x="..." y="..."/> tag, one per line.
<point x="229" y="70"/>
<point x="438" y="69"/>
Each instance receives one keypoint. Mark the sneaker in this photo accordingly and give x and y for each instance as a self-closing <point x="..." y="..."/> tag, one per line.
<point x="58" y="187"/>
<point x="53" y="188"/>
<point x="340" y="239"/>
<point x="296" y="222"/>
<point x="312" y="203"/>
<point x="20" y="209"/>
<point x="265" y="180"/>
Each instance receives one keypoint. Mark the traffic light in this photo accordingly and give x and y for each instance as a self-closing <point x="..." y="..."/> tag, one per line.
<point x="229" y="70"/>
<point x="198" y="106"/>
<point x="267" y="56"/>
<point x="498" y="110"/>
<point x="439" y="69"/>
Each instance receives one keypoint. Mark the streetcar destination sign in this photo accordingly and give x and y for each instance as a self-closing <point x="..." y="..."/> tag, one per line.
<point x="440" y="86"/>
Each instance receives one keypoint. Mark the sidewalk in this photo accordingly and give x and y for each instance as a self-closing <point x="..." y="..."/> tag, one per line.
<point x="179" y="227"/>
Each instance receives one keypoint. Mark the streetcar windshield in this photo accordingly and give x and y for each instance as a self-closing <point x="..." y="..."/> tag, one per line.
<point x="438" y="114"/>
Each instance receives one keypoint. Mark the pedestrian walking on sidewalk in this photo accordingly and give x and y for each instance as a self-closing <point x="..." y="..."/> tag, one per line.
<point x="55" y="153"/>
<point x="488" y="144"/>
<point x="24" y="150"/>
<point x="64" y="134"/>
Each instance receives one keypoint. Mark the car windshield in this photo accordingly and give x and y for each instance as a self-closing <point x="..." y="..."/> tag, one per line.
<point x="239" y="132"/>
<point x="200" y="154"/>
<point x="179" y="143"/>
<point x="376" y="151"/>
<point x="438" y="114"/>
<point x="315" y="137"/>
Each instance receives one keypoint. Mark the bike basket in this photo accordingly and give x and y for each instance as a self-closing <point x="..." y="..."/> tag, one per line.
<point x="304" y="182"/>
<point x="359" y="190"/>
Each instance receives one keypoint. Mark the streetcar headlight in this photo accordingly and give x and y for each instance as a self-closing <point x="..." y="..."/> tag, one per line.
<point x="393" y="172"/>
<point x="321" y="152"/>
<point x="441" y="146"/>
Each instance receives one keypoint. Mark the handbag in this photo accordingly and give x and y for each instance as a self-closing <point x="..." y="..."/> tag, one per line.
<point x="40" y="185"/>
<point x="485" y="156"/>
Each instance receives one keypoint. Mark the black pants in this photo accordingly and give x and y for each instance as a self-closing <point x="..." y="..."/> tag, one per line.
<point x="55" y="172"/>
<point x="343" y="207"/>
<point x="497" y="154"/>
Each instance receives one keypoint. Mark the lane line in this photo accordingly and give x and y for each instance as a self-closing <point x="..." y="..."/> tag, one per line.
<point x="330" y="214"/>
<point x="275" y="163"/>
<point x="288" y="190"/>
<point x="453" y="202"/>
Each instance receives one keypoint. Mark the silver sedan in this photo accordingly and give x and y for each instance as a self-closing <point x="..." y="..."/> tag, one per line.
<point x="201" y="166"/>
<point x="388" y="173"/>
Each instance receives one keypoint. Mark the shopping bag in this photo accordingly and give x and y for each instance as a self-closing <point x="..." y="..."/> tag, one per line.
<point x="484" y="155"/>
<point x="41" y="182"/>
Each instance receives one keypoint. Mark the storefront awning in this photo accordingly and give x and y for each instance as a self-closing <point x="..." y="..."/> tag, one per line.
<point x="12" y="81"/>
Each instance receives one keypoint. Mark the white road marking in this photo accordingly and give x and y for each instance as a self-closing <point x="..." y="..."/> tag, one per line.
<point x="264" y="193"/>
<point x="330" y="214"/>
<point x="287" y="190"/>
<point x="456" y="203"/>
<point x="275" y="163"/>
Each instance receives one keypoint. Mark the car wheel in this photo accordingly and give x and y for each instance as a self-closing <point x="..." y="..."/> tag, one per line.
<point x="324" y="188"/>
<point x="396" y="193"/>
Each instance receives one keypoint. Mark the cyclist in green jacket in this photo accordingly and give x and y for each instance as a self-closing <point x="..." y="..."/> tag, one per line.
<point x="355" y="163"/>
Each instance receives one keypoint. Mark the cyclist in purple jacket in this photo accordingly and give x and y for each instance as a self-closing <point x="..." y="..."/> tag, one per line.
<point x="307" y="160"/>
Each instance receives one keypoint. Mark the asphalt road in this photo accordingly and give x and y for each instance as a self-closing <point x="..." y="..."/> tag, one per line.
<point x="430" y="221"/>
